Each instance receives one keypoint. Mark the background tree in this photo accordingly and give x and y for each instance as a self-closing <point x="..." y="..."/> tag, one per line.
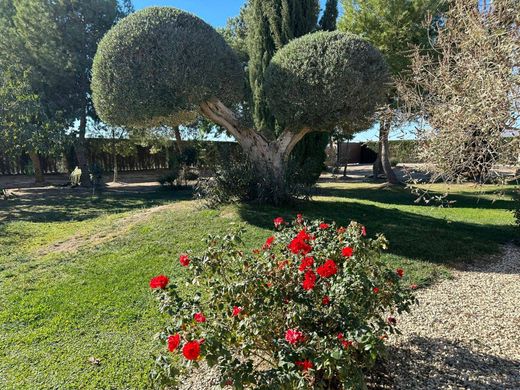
<point x="58" y="40"/>
<point x="393" y="26"/>
<point x="313" y="83"/>
<point x="468" y="90"/>
<point x="33" y="99"/>
<point x="330" y="16"/>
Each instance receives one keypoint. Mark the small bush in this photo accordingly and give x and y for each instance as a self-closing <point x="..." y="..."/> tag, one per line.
<point x="310" y="309"/>
<point x="169" y="179"/>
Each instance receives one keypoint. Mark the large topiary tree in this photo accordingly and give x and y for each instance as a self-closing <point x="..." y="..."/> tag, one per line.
<point x="162" y="66"/>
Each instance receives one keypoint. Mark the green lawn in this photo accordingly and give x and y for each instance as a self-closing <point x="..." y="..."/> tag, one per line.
<point x="74" y="270"/>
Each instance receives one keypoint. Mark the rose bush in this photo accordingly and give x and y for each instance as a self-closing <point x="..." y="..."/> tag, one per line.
<point x="311" y="308"/>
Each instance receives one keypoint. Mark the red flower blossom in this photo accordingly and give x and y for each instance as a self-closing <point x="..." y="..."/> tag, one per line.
<point x="391" y="320"/>
<point x="328" y="269"/>
<point x="363" y="231"/>
<point x="307" y="262"/>
<point x="199" y="317"/>
<point x="305" y="364"/>
<point x="237" y="310"/>
<point x="399" y="272"/>
<point x="324" y="226"/>
<point x="173" y="342"/>
<point x="268" y="243"/>
<point x="160" y="281"/>
<point x="184" y="260"/>
<point x="191" y="350"/>
<point x="278" y="222"/>
<point x="293" y="336"/>
<point x="347" y="251"/>
<point x="375" y="290"/>
<point x="346" y="343"/>
<point x="342" y="229"/>
<point x="413" y="287"/>
<point x="325" y="300"/>
<point x="309" y="281"/>
<point x="340" y="336"/>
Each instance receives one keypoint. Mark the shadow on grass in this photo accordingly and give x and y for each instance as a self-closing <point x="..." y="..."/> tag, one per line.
<point x="402" y="196"/>
<point x="43" y="205"/>
<point x="411" y="235"/>
<point x="440" y="363"/>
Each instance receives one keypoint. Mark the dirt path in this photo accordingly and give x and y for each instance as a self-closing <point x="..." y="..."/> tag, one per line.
<point x="465" y="333"/>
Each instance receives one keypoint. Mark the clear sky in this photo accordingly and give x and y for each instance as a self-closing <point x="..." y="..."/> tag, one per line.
<point x="216" y="12"/>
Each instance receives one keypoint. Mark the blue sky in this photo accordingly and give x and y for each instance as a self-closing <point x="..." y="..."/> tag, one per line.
<point x="216" y="12"/>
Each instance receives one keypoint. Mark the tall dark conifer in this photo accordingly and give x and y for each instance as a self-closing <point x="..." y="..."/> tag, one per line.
<point x="330" y="16"/>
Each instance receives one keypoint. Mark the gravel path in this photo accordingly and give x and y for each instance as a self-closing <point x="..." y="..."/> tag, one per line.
<point x="465" y="332"/>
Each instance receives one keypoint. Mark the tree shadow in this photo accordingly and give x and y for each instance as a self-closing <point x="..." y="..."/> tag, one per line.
<point x="56" y="205"/>
<point x="411" y="235"/>
<point x="433" y="363"/>
<point x="403" y="196"/>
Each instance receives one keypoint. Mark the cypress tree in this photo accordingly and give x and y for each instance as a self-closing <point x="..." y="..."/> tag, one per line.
<point x="330" y="15"/>
<point x="272" y="24"/>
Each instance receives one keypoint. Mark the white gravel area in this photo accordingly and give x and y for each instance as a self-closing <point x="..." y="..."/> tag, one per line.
<point x="465" y="332"/>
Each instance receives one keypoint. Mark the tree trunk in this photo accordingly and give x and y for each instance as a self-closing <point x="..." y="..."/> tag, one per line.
<point x="178" y="140"/>
<point x="385" y="152"/>
<point x="269" y="157"/>
<point x="81" y="150"/>
<point x="114" y="157"/>
<point x="38" y="173"/>
<point x="377" y="168"/>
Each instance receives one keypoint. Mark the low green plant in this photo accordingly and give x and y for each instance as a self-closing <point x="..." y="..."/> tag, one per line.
<point x="310" y="309"/>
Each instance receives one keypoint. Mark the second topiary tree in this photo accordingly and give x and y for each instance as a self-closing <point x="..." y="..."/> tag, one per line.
<point x="163" y="66"/>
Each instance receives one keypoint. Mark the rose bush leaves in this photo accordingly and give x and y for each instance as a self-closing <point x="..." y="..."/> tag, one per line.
<point x="310" y="308"/>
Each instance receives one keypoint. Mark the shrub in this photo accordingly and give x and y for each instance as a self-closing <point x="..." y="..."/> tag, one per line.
<point x="309" y="309"/>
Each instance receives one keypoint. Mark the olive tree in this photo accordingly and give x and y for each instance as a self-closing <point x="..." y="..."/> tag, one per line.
<point x="163" y="66"/>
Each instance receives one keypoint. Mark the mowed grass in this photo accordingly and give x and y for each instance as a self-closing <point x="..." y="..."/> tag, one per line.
<point x="74" y="269"/>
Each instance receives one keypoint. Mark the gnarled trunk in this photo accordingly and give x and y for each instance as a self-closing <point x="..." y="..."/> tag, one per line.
<point x="269" y="157"/>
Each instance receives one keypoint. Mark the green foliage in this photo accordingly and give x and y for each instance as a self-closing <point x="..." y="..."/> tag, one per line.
<point x="324" y="80"/>
<point x="271" y="25"/>
<point x="314" y="293"/>
<point x="306" y="162"/>
<point x="157" y="65"/>
<point x="516" y="209"/>
<point x="330" y="15"/>
<point x="392" y="26"/>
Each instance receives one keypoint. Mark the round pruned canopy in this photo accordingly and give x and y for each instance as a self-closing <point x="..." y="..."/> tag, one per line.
<point x="326" y="79"/>
<point x="157" y="65"/>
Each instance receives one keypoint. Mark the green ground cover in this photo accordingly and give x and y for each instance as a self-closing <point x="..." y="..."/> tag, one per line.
<point x="74" y="269"/>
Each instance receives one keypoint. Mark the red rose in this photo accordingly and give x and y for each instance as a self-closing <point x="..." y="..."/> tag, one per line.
<point x="305" y="364"/>
<point x="363" y="231"/>
<point x="191" y="350"/>
<point x="293" y="336"/>
<point x="184" y="260"/>
<point x="399" y="272"/>
<point x="342" y="229"/>
<point x="307" y="262"/>
<point x="413" y="287"/>
<point x="391" y="320"/>
<point x="328" y="269"/>
<point x="278" y="222"/>
<point x="375" y="290"/>
<point x="199" y="317"/>
<point x="325" y="300"/>
<point x="347" y="251"/>
<point x="324" y="226"/>
<point x="160" y="281"/>
<point x="237" y="310"/>
<point x="309" y="281"/>
<point x="173" y="342"/>
<point x="268" y="243"/>
<point x="340" y="336"/>
<point x="346" y="343"/>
